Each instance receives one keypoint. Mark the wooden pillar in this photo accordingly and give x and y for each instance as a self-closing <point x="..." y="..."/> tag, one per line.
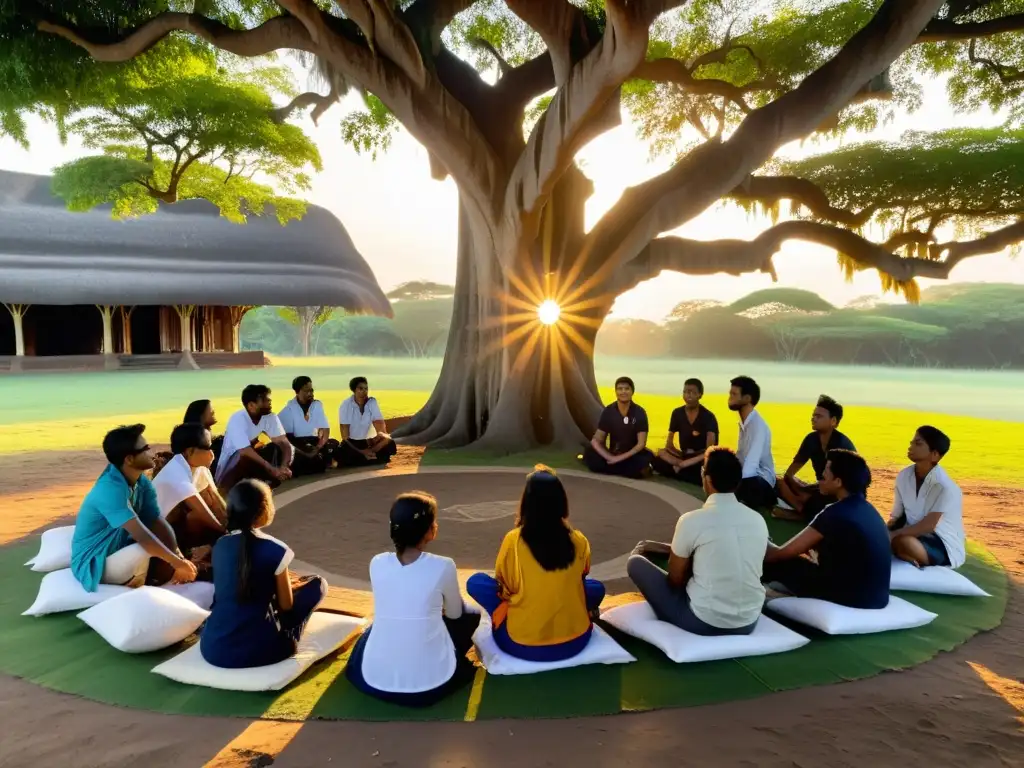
<point x="237" y="313"/>
<point x="17" y="314"/>
<point x="126" y="329"/>
<point x="185" y="316"/>
<point x="107" y="312"/>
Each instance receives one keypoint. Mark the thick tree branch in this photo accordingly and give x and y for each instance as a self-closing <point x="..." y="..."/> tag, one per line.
<point x="947" y="30"/>
<point x="735" y="257"/>
<point x="715" y="168"/>
<point x="669" y="70"/>
<point x="769" y="190"/>
<point x="319" y="103"/>
<point x="279" y="32"/>
<point x="430" y="17"/>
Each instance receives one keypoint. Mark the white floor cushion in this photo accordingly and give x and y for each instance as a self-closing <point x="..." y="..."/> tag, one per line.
<point x="840" y="620"/>
<point x="324" y="633"/>
<point x="935" y="579"/>
<point x="601" y="649"/>
<point x="145" y="619"/>
<point x="640" y="621"/>
<point x="199" y="592"/>
<point x="60" y="591"/>
<point x="54" y="550"/>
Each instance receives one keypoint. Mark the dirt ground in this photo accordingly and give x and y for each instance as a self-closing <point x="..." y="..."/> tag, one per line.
<point x="965" y="707"/>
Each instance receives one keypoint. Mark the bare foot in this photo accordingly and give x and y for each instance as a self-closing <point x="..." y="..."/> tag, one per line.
<point x="787" y="514"/>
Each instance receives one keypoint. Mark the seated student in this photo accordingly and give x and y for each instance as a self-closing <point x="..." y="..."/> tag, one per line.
<point x="260" y="610"/>
<point x="697" y="429"/>
<point x="713" y="583"/>
<point x="619" y="447"/>
<point x="187" y="495"/>
<point x="540" y="599"/>
<point x="305" y="424"/>
<point x="807" y="500"/>
<point x="757" y="489"/>
<point x="364" y="437"/>
<point x="854" y="562"/>
<point x="242" y="456"/>
<point x="119" y="536"/>
<point x="414" y="654"/>
<point x="201" y="411"/>
<point x="927" y="521"/>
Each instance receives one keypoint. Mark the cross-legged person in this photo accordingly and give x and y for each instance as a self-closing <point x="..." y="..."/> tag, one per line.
<point x="260" y="609"/>
<point x="713" y="582"/>
<point x="364" y="437"/>
<point x="757" y="489"/>
<point x="120" y="537"/>
<point x="696" y="429"/>
<point x="243" y="455"/>
<point x="619" y="446"/>
<point x="188" y="497"/>
<point x="540" y="601"/>
<point x="806" y="499"/>
<point x="201" y="412"/>
<point x="306" y="427"/>
<point x="927" y="521"/>
<point x="414" y="654"/>
<point x="853" y="564"/>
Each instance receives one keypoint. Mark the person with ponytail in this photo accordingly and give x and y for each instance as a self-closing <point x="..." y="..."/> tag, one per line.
<point x="259" y="610"/>
<point x="540" y="601"/>
<point x="414" y="654"/>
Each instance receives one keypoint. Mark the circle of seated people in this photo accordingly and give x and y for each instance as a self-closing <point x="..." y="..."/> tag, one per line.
<point x="153" y="561"/>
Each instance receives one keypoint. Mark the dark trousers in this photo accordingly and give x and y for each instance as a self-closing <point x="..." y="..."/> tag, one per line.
<point x="350" y="456"/>
<point x="487" y="592"/>
<point x="634" y="466"/>
<point x="673" y="605"/>
<point x="310" y="461"/>
<point x="246" y="469"/>
<point x="757" y="493"/>
<point x="689" y="475"/>
<point x="192" y="532"/>
<point x="461" y="632"/>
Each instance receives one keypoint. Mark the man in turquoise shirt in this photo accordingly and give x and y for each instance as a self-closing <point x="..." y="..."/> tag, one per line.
<point x="119" y="531"/>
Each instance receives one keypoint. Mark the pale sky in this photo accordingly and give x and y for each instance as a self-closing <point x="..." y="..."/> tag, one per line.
<point x="404" y="223"/>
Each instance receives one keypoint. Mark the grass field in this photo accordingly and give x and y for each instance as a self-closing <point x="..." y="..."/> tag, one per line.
<point x="884" y="406"/>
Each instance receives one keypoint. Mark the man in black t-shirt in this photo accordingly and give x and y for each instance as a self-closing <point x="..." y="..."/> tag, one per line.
<point x="619" y="447"/>
<point x="697" y="429"/>
<point x="854" y="560"/>
<point x="808" y="500"/>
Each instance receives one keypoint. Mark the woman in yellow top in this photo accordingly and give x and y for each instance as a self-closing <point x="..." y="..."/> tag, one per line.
<point x="540" y="601"/>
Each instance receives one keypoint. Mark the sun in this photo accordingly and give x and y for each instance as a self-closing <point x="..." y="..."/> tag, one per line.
<point x="548" y="312"/>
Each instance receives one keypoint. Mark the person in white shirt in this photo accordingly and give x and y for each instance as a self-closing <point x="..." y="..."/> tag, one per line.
<point x="242" y="456"/>
<point x="414" y="654"/>
<point x="713" y="583"/>
<point x="927" y="522"/>
<point x="187" y="497"/>
<point x="757" y="489"/>
<point x="364" y="437"/>
<point x="305" y="424"/>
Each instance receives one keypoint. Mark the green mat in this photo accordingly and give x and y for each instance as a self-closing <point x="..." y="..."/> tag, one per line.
<point x="62" y="653"/>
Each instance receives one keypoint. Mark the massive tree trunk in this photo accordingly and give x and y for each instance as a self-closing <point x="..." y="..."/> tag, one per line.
<point x="508" y="382"/>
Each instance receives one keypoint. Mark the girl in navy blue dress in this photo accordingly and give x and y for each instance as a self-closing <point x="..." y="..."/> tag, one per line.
<point x="259" y="612"/>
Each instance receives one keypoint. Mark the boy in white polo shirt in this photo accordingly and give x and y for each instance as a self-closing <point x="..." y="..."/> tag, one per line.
<point x="364" y="437"/>
<point x="927" y="522"/>
<point x="305" y="424"/>
<point x="242" y="456"/>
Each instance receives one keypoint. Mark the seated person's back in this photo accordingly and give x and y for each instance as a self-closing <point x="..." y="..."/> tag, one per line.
<point x="854" y="563"/>
<point x="853" y="555"/>
<point x="258" y="613"/>
<point x="726" y="542"/>
<point x="539" y="599"/>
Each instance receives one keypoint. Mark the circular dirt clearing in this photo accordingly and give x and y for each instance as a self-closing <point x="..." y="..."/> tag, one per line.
<point x="339" y="528"/>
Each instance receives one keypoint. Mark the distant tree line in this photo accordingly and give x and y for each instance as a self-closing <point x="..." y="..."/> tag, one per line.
<point x="964" y="325"/>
